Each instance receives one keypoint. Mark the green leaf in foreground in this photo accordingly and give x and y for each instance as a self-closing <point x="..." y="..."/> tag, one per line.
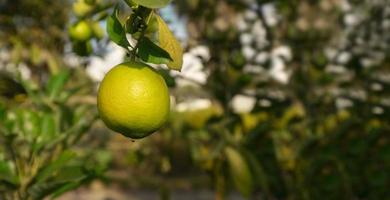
<point x="151" y="53"/>
<point x="7" y="176"/>
<point x="55" y="166"/>
<point x="169" y="43"/>
<point x="152" y="3"/>
<point x="115" y="30"/>
<point x="56" y="83"/>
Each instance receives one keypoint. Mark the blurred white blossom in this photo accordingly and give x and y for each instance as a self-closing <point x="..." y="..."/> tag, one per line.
<point x="250" y="15"/>
<point x="243" y="104"/>
<point x="25" y="72"/>
<point x="342" y="103"/>
<point x="248" y="52"/>
<point x="343" y="57"/>
<point x="193" y="72"/>
<point x="265" y="103"/>
<point x="99" y="66"/>
<point x="270" y="14"/>
<point x="283" y="52"/>
<point x="201" y="51"/>
<point x="246" y="38"/>
<point x="261" y="57"/>
<point x="278" y="71"/>
<point x="193" y="104"/>
<point x="377" y="110"/>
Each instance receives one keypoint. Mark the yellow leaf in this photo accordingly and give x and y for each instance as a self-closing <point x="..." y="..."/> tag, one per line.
<point x="240" y="171"/>
<point x="170" y="44"/>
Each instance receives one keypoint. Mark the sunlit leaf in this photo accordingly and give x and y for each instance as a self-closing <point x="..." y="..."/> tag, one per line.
<point x="56" y="84"/>
<point x="169" y="43"/>
<point x="239" y="171"/>
<point x="56" y="165"/>
<point x="48" y="128"/>
<point x="152" y="3"/>
<point x="6" y="175"/>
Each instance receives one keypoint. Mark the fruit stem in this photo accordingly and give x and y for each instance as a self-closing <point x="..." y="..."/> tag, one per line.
<point x="141" y="11"/>
<point x="130" y="3"/>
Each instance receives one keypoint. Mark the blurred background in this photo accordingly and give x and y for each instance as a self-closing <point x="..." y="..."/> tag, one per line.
<point x="284" y="99"/>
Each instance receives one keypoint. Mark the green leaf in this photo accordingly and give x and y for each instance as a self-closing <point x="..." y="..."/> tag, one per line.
<point x="48" y="128"/>
<point x="56" y="83"/>
<point x="115" y="30"/>
<point x="239" y="170"/>
<point x="2" y="112"/>
<point x="65" y="188"/>
<point x="258" y="171"/>
<point x="72" y="173"/>
<point x="7" y="177"/>
<point x="152" y="3"/>
<point x="47" y="132"/>
<point x="55" y="166"/>
<point x="69" y="178"/>
<point x="41" y="190"/>
<point x="151" y="53"/>
<point x="83" y="48"/>
<point x="169" y="43"/>
<point x="169" y="80"/>
<point x="29" y="122"/>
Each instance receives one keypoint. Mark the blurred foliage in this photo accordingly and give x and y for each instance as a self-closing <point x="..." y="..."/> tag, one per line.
<point x="302" y="144"/>
<point x="30" y="22"/>
<point x="38" y="155"/>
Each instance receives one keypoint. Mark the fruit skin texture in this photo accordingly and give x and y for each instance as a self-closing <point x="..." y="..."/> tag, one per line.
<point x="80" y="31"/>
<point x="133" y="99"/>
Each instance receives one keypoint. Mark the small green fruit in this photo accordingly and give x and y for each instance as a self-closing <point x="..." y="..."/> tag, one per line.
<point x="82" y="9"/>
<point x="97" y="30"/>
<point x="80" y="31"/>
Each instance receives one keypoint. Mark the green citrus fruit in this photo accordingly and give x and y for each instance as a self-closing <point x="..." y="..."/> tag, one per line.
<point x="97" y="30"/>
<point x="239" y="170"/>
<point x="133" y="99"/>
<point x="80" y="31"/>
<point x="82" y="8"/>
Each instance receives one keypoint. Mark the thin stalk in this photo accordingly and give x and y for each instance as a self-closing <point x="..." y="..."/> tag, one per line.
<point x="129" y="3"/>
<point x="143" y="31"/>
